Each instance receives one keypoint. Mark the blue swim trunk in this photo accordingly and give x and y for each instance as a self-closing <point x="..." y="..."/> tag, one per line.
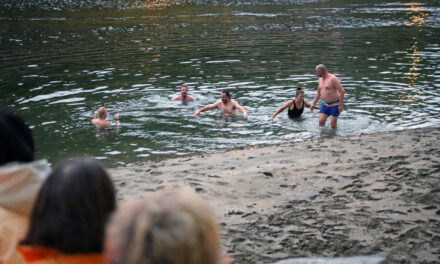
<point x="330" y="109"/>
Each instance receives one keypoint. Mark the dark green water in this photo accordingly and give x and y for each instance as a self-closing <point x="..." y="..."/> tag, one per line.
<point x="58" y="67"/>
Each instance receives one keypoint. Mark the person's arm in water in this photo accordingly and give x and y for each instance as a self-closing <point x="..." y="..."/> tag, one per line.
<point x="308" y="105"/>
<point x="225" y="259"/>
<point x="317" y="96"/>
<point x="206" y="108"/>
<point x="282" y="108"/>
<point x="341" y="93"/>
<point x="241" y="108"/>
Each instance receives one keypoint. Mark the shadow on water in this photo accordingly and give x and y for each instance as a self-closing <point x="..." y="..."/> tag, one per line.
<point x="58" y="67"/>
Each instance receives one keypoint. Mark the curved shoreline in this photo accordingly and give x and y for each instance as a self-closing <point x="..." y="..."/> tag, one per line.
<point x="341" y="196"/>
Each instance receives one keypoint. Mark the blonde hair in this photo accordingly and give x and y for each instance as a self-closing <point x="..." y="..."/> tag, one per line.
<point x="101" y="112"/>
<point x="167" y="228"/>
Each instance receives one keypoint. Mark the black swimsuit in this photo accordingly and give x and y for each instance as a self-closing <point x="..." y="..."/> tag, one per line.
<point x="295" y="112"/>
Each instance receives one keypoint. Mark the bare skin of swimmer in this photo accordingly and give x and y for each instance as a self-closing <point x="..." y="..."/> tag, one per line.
<point x="226" y="106"/>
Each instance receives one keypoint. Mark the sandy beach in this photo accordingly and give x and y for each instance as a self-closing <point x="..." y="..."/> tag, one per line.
<point x="342" y="196"/>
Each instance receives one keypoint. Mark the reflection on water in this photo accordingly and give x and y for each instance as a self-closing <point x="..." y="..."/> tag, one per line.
<point x="417" y="18"/>
<point x="417" y="14"/>
<point x="57" y="68"/>
<point x="161" y="4"/>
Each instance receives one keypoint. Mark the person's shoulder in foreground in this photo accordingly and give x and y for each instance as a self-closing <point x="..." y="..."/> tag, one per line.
<point x="68" y="219"/>
<point x="20" y="179"/>
<point x="166" y="227"/>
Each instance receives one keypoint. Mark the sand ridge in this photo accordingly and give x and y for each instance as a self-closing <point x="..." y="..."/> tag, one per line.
<point x="341" y="196"/>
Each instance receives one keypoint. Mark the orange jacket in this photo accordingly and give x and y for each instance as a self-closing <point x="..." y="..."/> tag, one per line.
<point x="39" y="255"/>
<point x="13" y="228"/>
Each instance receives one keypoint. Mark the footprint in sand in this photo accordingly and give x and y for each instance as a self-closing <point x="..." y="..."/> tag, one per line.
<point x="200" y="190"/>
<point x="268" y="174"/>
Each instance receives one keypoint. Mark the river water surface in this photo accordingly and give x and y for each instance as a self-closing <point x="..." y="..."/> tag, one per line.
<point x="58" y="67"/>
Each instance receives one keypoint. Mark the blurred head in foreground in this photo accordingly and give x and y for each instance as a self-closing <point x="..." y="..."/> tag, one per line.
<point x="165" y="228"/>
<point x="72" y="209"/>
<point x="16" y="141"/>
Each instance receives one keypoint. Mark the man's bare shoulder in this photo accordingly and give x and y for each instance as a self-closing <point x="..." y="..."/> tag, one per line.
<point x="235" y="103"/>
<point x="333" y="77"/>
<point x="335" y="80"/>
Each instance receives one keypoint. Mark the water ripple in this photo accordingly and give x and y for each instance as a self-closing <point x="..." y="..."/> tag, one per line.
<point x="57" y="71"/>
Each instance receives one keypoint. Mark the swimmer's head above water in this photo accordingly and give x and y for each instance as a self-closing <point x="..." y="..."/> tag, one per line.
<point x="101" y="113"/>
<point x="320" y="69"/>
<point x="299" y="93"/>
<point x="184" y="90"/>
<point x="226" y="96"/>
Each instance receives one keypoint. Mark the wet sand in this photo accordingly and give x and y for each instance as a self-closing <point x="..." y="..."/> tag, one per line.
<point x="342" y="196"/>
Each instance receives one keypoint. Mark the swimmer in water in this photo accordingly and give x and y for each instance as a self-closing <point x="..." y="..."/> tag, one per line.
<point x="101" y="115"/>
<point x="184" y="94"/>
<point x="295" y="106"/>
<point x="226" y="105"/>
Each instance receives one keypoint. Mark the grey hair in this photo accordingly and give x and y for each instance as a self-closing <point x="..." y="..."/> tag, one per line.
<point x="166" y="228"/>
<point x="321" y="67"/>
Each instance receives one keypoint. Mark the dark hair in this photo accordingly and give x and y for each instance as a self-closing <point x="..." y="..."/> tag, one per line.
<point x="298" y="91"/>
<point x="16" y="141"/>
<point x="228" y="94"/>
<point x="72" y="208"/>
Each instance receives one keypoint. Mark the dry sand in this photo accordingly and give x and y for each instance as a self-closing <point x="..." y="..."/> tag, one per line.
<point x="343" y="196"/>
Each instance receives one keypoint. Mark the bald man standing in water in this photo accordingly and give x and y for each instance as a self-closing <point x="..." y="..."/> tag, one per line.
<point x="332" y="93"/>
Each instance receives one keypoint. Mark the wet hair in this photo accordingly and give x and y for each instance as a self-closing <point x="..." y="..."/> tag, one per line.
<point x="100" y="113"/>
<point x="228" y="94"/>
<point x="299" y="91"/>
<point x="166" y="228"/>
<point x="321" y="67"/>
<point x="16" y="141"/>
<point x="72" y="208"/>
<point x="184" y="85"/>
